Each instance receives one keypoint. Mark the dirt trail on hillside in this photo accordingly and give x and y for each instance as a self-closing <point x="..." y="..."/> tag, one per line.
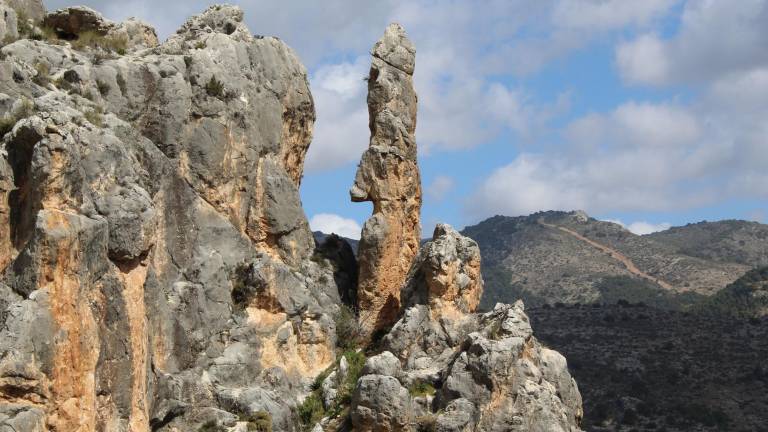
<point x="630" y="266"/>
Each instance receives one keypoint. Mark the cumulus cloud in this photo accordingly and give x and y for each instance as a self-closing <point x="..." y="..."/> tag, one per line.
<point x="638" y="157"/>
<point x="341" y="129"/>
<point x="715" y="38"/>
<point x="330" y="223"/>
<point x="439" y="188"/>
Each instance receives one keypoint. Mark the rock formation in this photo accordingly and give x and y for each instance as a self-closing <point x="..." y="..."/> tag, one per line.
<point x="154" y="252"/>
<point x="388" y="176"/>
<point x="157" y="271"/>
<point x="445" y="369"/>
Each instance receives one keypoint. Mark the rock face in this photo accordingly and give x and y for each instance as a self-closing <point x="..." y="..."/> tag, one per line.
<point x="388" y="176"/>
<point x="74" y="22"/>
<point x="157" y="271"/>
<point x="446" y="274"/>
<point x="154" y="252"/>
<point x="445" y="369"/>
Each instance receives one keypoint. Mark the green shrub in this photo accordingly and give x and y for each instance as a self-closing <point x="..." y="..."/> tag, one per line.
<point x="93" y="39"/>
<point x="311" y="410"/>
<point x="349" y="333"/>
<point x="421" y="388"/>
<point x="214" y="87"/>
<point x="261" y="421"/>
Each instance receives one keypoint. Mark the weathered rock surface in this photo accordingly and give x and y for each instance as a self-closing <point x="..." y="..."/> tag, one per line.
<point x="488" y="371"/>
<point x="74" y="22"/>
<point x="464" y="371"/>
<point x="388" y="176"/>
<point x="446" y="274"/>
<point x="32" y="9"/>
<point x="157" y="271"/>
<point x="154" y="253"/>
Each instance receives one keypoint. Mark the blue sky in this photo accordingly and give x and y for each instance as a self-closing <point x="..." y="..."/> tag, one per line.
<point x="650" y="112"/>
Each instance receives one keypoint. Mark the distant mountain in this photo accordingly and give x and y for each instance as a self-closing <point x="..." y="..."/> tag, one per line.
<point x="321" y="236"/>
<point x="731" y="240"/>
<point x="569" y="257"/>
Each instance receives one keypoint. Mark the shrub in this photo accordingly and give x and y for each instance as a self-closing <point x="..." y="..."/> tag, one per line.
<point x="261" y="421"/>
<point x="43" y="76"/>
<point x="94" y="116"/>
<point x="103" y="87"/>
<point x="311" y="410"/>
<point x="426" y="423"/>
<point x="23" y="25"/>
<point x="349" y="333"/>
<point x="92" y="39"/>
<point x="421" y="388"/>
<point x="214" y="87"/>
<point x="22" y="111"/>
<point x="211" y="426"/>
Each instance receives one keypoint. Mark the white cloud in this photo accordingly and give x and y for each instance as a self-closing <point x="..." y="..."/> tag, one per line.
<point x="439" y="188"/>
<point x="330" y="223"/>
<point x="608" y="14"/>
<point x="643" y="60"/>
<point x="642" y="227"/>
<point x="341" y="130"/>
<point x="715" y="38"/>
<point x="639" y="157"/>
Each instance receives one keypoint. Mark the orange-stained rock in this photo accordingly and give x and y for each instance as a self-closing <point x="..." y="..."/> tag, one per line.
<point x="388" y="176"/>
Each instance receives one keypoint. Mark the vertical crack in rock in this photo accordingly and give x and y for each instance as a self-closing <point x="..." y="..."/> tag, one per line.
<point x="388" y="176"/>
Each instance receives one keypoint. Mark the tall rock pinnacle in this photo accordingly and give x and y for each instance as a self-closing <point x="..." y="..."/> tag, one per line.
<point x="388" y="176"/>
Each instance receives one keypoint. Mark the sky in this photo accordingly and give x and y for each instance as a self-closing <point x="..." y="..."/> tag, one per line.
<point x="650" y="113"/>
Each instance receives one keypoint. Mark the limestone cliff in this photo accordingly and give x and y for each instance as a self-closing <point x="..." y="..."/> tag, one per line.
<point x="388" y="176"/>
<point x="157" y="272"/>
<point x="155" y="256"/>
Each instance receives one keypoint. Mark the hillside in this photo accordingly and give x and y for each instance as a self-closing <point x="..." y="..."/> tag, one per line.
<point x="158" y="272"/>
<point x="644" y="369"/>
<point x="553" y="257"/>
<point x="730" y="240"/>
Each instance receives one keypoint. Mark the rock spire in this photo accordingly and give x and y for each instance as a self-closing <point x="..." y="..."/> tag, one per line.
<point x="388" y="176"/>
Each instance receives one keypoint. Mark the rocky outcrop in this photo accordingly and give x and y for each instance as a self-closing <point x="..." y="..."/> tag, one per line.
<point x="77" y="22"/>
<point x="155" y="258"/>
<point x="485" y="372"/>
<point x="445" y="274"/>
<point x="157" y="271"/>
<point x="446" y="369"/>
<point x="388" y="176"/>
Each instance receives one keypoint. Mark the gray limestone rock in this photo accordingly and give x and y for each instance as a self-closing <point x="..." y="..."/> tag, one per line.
<point x="380" y="403"/>
<point x="157" y="271"/>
